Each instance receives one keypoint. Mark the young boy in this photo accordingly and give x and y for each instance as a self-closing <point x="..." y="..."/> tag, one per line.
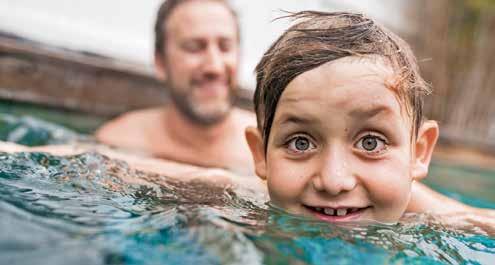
<point x="341" y="134"/>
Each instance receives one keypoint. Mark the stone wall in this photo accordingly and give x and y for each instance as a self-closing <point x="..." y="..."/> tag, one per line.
<point x="77" y="81"/>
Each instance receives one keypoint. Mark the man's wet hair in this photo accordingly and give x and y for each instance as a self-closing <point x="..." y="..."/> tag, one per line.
<point x="165" y="11"/>
<point x="320" y="37"/>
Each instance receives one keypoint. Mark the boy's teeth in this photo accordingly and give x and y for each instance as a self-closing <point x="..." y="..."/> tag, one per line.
<point x="329" y="211"/>
<point x="341" y="212"/>
<point x="336" y="212"/>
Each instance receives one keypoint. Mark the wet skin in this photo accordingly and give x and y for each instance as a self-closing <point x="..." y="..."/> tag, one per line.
<point x="198" y="65"/>
<point x="340" y="145"/>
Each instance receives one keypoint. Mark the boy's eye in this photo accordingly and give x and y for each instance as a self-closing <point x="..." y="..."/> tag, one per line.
<point x="300" y="144"/>
<point x="371" y="144"/>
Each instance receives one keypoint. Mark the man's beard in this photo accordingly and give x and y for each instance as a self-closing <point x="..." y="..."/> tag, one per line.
<point x="184" y="101"/>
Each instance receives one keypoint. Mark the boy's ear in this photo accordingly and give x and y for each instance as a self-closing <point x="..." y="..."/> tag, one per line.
<point x="255" y="142"/>
<point x="160" y="69"/>
<point x="425" y="143"/>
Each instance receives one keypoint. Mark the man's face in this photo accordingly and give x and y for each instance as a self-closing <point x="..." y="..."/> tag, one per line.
<point x="339" y="147"/>
<point x="200" y="60"/>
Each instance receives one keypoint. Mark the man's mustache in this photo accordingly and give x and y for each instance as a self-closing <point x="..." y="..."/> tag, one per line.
<point x="217" y="79"/>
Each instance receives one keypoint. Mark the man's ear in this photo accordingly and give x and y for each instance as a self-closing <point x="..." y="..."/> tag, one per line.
<point x="160" y="68"/>
<point x="425" y="143"/>
<point x="255" y="142"/>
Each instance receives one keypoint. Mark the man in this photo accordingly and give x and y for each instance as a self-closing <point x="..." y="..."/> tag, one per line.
<point x="196" y="56"/>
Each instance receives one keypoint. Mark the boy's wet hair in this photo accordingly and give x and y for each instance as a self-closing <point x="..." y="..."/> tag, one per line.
<point x="164" y="12"/>
<point x="320" y="37"/>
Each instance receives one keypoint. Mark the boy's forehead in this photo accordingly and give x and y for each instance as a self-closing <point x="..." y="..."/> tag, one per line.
<point x="350" y="84"/>
<point x="350" y="69"/>
<point x="339" y="76"/>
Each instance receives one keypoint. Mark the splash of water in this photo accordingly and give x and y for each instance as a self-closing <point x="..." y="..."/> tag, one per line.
<point x="79" y="210"/>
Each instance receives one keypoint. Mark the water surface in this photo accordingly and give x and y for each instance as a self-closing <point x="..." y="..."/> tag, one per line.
<point x="78" y="210"/>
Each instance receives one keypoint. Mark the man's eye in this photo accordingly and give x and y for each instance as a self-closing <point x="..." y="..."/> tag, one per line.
<point x="225" y="46"/>
<point x="371" y="144"/>
<point x="192" y="46"/>
<point x="300" y="144"/>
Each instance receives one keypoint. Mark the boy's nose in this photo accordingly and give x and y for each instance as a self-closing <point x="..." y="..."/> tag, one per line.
<point x="334" y="176"/>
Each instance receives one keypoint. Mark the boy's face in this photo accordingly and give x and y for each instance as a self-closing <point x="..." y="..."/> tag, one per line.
<point x="340" y="145"/>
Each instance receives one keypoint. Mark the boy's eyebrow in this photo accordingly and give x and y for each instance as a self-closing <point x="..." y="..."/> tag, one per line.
<point x="298" y="118"/>
<point x="291" y="118"/>
<point x="370" y="112"/>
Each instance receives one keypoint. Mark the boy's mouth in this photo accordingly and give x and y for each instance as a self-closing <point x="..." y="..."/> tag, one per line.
<point x="343" y="214"/>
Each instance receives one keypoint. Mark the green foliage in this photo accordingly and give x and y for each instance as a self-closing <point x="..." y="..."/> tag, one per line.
<point x="481" y="5"/>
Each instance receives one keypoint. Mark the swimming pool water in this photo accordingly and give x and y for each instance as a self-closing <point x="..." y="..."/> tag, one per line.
<point x="51" y="117"/>
<point x="30" y="131"/>
<point x="77" y="210"/>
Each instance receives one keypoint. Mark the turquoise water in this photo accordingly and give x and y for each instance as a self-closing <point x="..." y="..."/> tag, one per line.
<point x="47" y="118"/>
<point x="77" y="210"/>
<point x="30" y="131"/>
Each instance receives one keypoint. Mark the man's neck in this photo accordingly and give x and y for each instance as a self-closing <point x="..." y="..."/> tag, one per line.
<point x="187" y="133"/>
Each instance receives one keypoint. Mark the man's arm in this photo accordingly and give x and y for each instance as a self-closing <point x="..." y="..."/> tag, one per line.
<point x="425" y="199"/>
<point x="452" y="213"/>
<point x="164" y="168"/>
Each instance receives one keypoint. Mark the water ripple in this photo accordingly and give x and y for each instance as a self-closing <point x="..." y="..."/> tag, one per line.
<point x="79" y="210"/>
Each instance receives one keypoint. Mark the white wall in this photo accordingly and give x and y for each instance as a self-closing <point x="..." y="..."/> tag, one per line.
<point x="120" y="28"/>
<point x="124" y="28"/>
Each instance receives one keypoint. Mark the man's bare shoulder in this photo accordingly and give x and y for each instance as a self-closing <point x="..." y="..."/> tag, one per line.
<point x="129" y="129"/>
<point x="244" y="117"/>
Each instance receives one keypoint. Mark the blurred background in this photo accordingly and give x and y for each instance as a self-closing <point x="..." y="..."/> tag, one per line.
<point x="79" y="63"/>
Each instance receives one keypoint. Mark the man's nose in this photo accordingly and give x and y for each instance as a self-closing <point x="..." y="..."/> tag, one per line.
<point x="334" y="175"/>
<point x="214" y="61"/>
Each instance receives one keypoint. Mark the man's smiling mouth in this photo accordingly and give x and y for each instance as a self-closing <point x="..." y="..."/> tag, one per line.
<point x="342" y="214"/>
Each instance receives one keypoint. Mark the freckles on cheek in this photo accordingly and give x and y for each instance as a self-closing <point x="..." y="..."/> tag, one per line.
<point x="285" y="181"/>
